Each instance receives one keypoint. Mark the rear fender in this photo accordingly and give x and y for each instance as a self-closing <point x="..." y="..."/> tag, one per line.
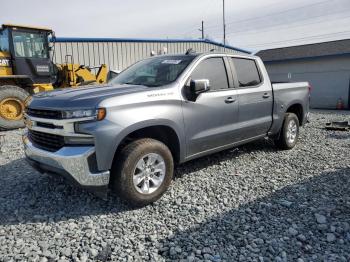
<point x="280" y="109"/>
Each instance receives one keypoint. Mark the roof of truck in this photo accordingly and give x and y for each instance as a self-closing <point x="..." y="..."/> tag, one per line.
<point x="212" y="53"/>
<point x="232" y="54"/>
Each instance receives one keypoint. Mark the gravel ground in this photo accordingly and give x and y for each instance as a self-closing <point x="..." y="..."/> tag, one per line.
<point x="252" y="203"/>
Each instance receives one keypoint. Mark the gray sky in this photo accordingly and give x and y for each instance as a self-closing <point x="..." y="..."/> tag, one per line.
<point x="251" y="24"/>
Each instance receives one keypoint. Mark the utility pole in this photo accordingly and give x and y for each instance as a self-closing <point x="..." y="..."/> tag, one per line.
<point x="223" y="21"/>
<point x="202" y="30"/>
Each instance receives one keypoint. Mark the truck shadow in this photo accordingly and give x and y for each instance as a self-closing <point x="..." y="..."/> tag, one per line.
<point x="263" y="226"/>
<point x="217" y="158"/>
<point x="27" y="196"/>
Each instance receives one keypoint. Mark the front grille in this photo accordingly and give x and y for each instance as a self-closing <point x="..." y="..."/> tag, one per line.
<point x="51" y="114"/>
<point x="46" y="141"/>
<point x="48" y="125"/>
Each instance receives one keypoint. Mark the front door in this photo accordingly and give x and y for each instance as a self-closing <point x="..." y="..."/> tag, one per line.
<point x="210" y="119"/>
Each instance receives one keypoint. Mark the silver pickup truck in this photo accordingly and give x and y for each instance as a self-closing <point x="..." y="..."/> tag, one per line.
<point x="164" y="110"/>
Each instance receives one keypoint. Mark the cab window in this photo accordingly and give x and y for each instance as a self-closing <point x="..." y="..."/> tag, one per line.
<point x="4" y="41"/>
<point x="214" y="70"/>
<point x="30" y="45"/>
<point x="247" y="72"/>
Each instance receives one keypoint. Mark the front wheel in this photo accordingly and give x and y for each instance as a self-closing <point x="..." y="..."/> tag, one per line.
<point x="289" y="132"/>
<point x="12" y="106"/>
<point x="142" y="171"/>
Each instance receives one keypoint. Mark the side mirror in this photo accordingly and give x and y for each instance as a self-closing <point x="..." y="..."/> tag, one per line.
<point x="199" y="86"/>
<point x="112" y="74"/>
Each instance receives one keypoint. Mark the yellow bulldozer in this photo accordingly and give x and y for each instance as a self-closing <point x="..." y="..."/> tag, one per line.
<point x="26" y="67"/>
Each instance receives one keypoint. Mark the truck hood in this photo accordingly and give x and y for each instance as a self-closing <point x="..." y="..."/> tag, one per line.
<point x="82" y="97"/>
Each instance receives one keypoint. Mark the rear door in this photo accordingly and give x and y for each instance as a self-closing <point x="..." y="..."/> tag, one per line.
<point x="209" y="121"/>
<point x="255" y="99"/>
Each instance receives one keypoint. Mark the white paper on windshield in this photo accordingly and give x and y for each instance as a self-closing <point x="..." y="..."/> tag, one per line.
<point x="171" y="62"/>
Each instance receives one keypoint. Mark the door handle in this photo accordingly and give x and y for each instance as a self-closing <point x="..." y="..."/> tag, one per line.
<point x="266" y="95"/>
<point x="229" y="100"/>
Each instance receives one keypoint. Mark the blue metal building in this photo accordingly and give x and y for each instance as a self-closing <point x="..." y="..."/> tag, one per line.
<point x="119" y="53"/>
<point x="325" y="65"/>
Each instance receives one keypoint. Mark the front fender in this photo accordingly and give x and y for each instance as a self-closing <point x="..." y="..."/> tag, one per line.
<point x="109" y="135"/>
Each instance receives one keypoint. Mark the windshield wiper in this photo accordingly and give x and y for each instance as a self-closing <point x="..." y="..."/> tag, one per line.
<point x="129" y="83"/>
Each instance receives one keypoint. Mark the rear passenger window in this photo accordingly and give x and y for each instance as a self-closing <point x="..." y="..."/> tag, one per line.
<point x="214" y="70"/>
<point x="247" y="72"/>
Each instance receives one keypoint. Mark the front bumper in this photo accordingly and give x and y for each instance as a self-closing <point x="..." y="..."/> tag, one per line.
<point x="71" y="162"/>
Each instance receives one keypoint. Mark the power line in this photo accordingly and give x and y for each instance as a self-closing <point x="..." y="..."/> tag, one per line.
<point x="292" y="43"/>
<point x="296" y="39"/>
<point x="203" y="15"/>
<point x="283" y="25"/>
<point x="266" y="6"/>
<point x="271" y="14"/>
<point x="278" y="13"/>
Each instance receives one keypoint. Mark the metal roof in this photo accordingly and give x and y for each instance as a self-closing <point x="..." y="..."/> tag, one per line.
<point x="27" y="27"/>
<point x="332" y="48"/>
<point x="148" y="40"/>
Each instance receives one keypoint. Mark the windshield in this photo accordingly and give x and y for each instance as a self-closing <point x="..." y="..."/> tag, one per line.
<point x="30" y="45"/>
<point x="152" y="72"/>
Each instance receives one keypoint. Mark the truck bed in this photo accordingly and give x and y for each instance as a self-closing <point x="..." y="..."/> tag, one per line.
<point x="287" y="93"/>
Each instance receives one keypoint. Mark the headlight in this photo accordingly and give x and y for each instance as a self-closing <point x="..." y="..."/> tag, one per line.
<point x="99" y="114"/>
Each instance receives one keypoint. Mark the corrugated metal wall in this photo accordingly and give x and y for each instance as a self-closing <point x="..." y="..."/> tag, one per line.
<point x="329" y="77"/>
<point x="120" y="53"/>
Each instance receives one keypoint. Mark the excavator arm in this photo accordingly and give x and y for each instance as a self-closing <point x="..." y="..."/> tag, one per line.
<point x="74" y="75"/>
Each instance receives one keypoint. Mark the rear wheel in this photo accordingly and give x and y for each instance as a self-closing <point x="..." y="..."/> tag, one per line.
<point x="12" y="106"/>
<point x="143" y="171"/>
<point x="289" y="133"/>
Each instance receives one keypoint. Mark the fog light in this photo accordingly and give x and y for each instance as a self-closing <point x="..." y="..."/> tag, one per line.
<point x="79" y="140"/>
<point x="25" y="140"/>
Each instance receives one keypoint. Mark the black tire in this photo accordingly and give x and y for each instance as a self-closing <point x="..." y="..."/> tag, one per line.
<point x="283" y="142"/>
<point x="9" y="91"/>
<point x="124" y="167"/>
